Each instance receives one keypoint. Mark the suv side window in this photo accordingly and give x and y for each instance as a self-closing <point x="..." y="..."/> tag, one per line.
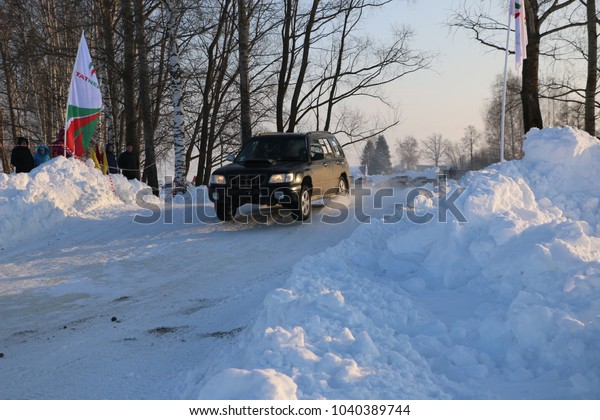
<point x="315" y="148"/>
<point x="335" y="146"/>
<point x="326" y="148"/>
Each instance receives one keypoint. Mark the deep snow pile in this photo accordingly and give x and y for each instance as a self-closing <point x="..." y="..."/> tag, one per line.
<point x="31" y="203"/>
<point x="506" y="305"/>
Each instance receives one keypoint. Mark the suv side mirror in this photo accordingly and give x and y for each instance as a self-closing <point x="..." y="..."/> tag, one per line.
<point x="230" y="157"/>
<point x="318" y="156"/>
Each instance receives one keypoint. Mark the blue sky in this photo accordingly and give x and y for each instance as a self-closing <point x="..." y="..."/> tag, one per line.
<point x="451" y="95"/>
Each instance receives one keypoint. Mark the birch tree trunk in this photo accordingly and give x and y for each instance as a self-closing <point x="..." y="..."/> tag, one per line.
<point x="178" y="113"/>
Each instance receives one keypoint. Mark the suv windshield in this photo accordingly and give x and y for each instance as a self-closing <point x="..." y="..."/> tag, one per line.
<point x="288" y="149"/>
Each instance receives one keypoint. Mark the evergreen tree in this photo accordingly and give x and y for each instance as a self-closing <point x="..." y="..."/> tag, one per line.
<point x="376" y="155"/>
<point x="366" y="159"/>
<point x="382" y="157"/>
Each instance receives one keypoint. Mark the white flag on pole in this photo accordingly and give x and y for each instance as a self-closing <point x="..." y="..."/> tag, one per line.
<point x="518" y="10"/>
<point x="84" y="103"/>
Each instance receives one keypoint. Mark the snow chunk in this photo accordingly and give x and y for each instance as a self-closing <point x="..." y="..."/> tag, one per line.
<point x="256" y="384"/>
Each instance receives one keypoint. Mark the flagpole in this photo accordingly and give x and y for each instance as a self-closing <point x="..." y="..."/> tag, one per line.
<point x="65" y="140"/>
<point x="510" y="12"/>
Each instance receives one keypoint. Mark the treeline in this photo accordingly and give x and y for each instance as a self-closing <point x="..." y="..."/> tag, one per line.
<point x="193" y="78"/>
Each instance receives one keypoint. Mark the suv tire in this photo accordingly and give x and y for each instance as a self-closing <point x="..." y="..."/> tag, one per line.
<point x="342" y="186"/>
<point x="302" y="208"/>
<point x="225" y="211"/>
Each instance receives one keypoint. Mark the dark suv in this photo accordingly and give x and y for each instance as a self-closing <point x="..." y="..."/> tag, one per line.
<point x="289" y="169"/>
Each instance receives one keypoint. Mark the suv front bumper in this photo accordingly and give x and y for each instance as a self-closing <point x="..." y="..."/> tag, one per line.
<point x="269" y="195"/>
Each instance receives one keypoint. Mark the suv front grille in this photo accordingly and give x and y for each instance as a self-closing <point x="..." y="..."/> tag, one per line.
<point x="246" y="182"/>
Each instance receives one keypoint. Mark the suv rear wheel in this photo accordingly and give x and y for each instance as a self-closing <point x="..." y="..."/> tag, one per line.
<point x="342" y="186"/>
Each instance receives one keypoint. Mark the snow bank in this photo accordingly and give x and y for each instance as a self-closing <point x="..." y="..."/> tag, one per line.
<point x="503" y="306"/>
<point x="31" y="203"/>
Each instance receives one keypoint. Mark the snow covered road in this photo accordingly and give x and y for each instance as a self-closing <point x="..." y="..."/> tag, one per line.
<point x="113" y="309"/>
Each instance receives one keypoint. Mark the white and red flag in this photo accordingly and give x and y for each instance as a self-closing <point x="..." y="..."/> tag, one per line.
<point x="84" y="103"/>
<point x="518" y="10"/>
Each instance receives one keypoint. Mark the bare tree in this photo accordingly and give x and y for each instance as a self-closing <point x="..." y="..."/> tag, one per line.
<point x="469" y="141"/>
<point x="128" y="75"/>
<point x="456" y="155"/>
<point x="244" y="53"/>
<point x="407" y="151"/>
<point x="575" y="51"/>
<point x="344" y="64"/>
<point x="220" y="75"/>
<point x="3" y="153"/>
<point x="107" y="65"/>
<point x="303" y="65"/>
<point x="149" y="173"/>
<point x="435" y="147"/>
<point x="7" y="20"/>
<point x="513" y="124"/>
<point x="592" y="69"/>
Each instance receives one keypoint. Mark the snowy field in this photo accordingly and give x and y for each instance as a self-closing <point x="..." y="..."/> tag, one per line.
<point x="496" y="297"/>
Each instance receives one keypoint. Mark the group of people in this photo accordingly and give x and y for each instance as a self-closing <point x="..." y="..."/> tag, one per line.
<point x="24" y="161"/>
<point x="127" y="163"/>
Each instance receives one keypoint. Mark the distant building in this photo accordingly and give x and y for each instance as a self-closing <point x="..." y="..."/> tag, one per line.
<point x="423" y="168"/>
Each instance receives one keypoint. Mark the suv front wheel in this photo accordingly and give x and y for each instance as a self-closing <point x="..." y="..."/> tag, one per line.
<point x="224" y="210"/>
<point x="302" y="208"/>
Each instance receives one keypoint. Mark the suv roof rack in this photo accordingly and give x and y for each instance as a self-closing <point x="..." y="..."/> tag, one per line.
<point x="267" y="133"/>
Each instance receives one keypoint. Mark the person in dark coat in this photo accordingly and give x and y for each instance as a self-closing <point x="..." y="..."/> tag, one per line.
<point x="21" y="157"/>
<point x="109" y="150"/>
<point x="128" y="162"/>
<point x="41" y="156"/>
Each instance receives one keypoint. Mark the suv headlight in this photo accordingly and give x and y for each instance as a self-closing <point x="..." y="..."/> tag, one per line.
<point x="281" y="178"/>
<point x="218" y="179"/>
